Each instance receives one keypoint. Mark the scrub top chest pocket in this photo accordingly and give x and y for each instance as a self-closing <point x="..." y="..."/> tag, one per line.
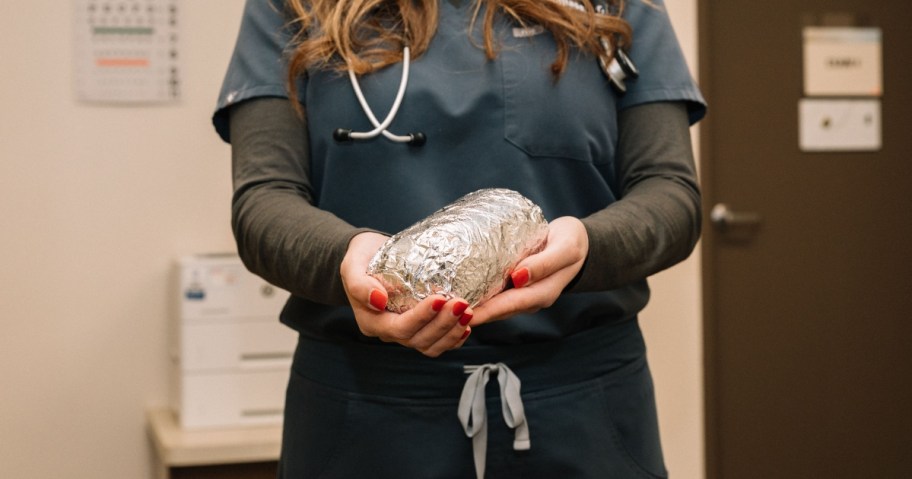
<point x="573" y="117"/>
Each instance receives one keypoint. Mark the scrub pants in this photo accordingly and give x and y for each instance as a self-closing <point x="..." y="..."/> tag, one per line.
<point x="383" y="411"/>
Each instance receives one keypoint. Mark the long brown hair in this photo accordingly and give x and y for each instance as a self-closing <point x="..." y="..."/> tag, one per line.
<point x="366" y="35"/>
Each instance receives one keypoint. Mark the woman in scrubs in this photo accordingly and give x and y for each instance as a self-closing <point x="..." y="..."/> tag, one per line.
<point x="502" y="93"/>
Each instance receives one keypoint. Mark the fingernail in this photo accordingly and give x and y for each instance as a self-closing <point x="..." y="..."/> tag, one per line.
<point x="460" y="308"/>
<point x="377" y="300"/>
<point x="520" y="277"/>
<point x="466" y="334"/>
<point x="465" y="318"/>
<point x="438" y="304"/>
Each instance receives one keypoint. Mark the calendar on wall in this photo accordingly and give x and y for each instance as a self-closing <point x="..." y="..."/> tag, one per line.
<point x="127" y="51"/>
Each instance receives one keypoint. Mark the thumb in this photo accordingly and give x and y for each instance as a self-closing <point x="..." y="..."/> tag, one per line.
<point x="541" y="265"/>
<point x="363" y="289"/>
<point x="377" y="299"/>
<point x="368" y="291"/>
<point x="534" y="268"/>
<point x="521" y="274"/>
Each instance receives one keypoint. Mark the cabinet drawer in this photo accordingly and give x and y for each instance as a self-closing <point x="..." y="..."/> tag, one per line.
<point x="231" y="399"/>
<point x="250" y="345"/>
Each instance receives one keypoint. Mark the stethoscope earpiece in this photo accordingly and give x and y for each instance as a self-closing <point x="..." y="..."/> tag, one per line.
<point x="342" y="135"/>
<point x="418" y="139"/>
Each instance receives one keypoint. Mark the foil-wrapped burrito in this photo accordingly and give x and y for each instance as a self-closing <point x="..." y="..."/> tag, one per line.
<point x="466" y="249"/>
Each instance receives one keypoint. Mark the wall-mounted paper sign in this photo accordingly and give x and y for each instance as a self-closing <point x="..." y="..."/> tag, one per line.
<point x="127" y="51"/>
<point x="839" y="124"/>
<point x="842" y="61"/>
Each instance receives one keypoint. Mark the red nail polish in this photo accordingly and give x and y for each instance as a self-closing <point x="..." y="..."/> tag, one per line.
<point x="466" y="334"/>
<point x="377" y="300"/>
<point x="438" y="304"/>
<point x="465" y="318"/>
<point x="460" y="308"/>
<point x="520" y="277"/>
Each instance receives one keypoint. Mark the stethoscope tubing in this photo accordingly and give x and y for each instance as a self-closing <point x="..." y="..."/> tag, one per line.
<point x="381" y="128"/>
<point x="346" y="135"/>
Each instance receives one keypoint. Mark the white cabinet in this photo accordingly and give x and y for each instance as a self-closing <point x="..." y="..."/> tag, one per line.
<point x="231" y="356"/>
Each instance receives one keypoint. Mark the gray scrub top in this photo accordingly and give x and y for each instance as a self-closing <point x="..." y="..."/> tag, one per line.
<point x="504" y="123"/>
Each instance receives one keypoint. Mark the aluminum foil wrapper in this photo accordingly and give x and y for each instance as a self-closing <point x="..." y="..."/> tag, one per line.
<point x="466" y="249"/>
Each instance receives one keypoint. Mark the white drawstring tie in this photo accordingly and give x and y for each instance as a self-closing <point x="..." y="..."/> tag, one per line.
<point x="473" y="413"/>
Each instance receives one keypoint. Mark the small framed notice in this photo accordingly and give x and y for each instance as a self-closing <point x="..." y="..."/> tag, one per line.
<point x="127" y="51"/>
<point x="842" y="61"/>
<point x="839" y="124"/>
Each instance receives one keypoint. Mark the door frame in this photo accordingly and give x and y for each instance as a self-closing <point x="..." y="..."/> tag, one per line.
<point x="708" y="278"/>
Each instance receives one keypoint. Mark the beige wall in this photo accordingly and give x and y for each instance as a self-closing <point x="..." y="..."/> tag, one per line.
<point x="672" y="323"/>
<point x="96" y="202"/>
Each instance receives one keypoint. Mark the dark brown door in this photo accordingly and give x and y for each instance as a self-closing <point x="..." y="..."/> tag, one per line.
<point x="808" y="327"/>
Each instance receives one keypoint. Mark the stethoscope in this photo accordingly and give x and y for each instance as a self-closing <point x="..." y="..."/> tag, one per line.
<point x="346" y="134"/>
<point x="620" y="69"/>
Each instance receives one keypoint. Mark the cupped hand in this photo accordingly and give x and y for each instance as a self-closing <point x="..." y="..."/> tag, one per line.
<point x="539" y="279"/>
<point x="435" y="325"/>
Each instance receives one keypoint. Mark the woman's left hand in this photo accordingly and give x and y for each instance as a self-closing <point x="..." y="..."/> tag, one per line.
<point x="433" y="326"/>
<point x="539" y="279"/>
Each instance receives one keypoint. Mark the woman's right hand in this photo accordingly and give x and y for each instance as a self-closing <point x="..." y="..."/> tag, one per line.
<point x="435" y="325"/>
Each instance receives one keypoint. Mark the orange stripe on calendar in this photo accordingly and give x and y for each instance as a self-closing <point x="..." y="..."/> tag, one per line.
<point x="122" y="62"/>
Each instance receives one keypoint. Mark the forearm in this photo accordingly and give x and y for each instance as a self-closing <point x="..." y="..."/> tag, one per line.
<point x="281" y="236"/>
<point x="656" y="222"/>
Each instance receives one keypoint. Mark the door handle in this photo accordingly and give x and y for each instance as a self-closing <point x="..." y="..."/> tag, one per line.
<point x="725" y="217"/>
